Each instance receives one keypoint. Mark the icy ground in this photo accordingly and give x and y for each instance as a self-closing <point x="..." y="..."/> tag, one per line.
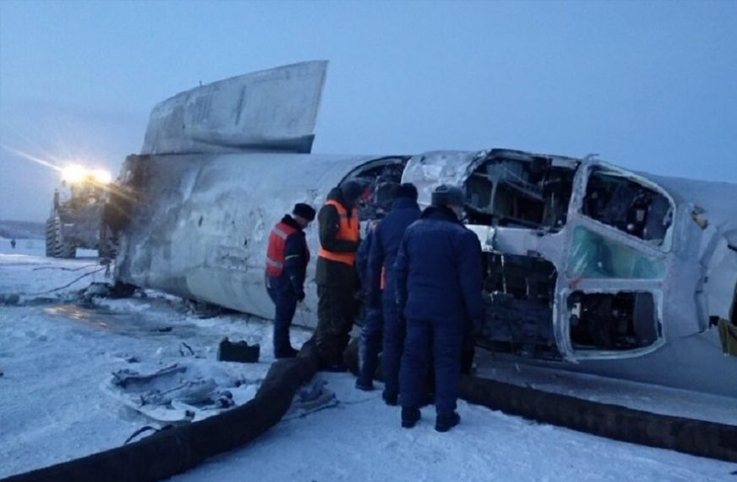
<point x="55" y="355"/>
<point x="361" y="439"/>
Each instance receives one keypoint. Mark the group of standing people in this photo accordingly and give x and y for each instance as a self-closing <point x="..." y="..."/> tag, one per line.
<point x="421" y="280"/>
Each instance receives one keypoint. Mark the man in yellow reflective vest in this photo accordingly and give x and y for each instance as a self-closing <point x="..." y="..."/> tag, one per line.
<point x="336" y="273"/>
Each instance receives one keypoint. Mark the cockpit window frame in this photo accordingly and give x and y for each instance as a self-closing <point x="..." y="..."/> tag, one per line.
<point x="577" y="204"/>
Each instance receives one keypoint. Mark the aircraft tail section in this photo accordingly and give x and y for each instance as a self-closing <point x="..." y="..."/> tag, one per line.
<point x="273" y="109"/>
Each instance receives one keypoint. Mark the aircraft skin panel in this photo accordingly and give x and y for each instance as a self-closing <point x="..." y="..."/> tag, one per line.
<point x="273" y="109"/>
<point x="692" y="363"/>
<point x="201" y="228"/>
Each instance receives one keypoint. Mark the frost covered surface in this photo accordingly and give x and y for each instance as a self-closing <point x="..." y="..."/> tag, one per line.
<point x="25" y="270"/>
<point x="56" y="356"/>
<point x="359" y="438"/>
<point x="639" y="396"/>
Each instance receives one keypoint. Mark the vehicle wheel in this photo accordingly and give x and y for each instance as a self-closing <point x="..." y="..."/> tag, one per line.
<point x="66" y="250"/>
<point x="62" y="249"/>
<point x="50" y="238"/>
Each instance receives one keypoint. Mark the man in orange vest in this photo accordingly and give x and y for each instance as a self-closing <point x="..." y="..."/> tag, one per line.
<point x="286" y="267"/>
<point x="336" y="273"/>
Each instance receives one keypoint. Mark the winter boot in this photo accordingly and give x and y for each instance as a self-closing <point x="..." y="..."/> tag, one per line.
<point x="288" y="352"/>
<point x="390" y="398"/>
<point x="410" y="416"/>
<point x="364" y="385"/>
<point x="446" y="421"/>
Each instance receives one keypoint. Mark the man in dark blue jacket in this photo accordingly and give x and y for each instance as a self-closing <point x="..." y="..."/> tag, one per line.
<point x="286" y="267"/>
<point x="371" y="330"/>
<point x="439" y="283"/>
<point x="370" y="336"/>
<point x="382" y="289"/>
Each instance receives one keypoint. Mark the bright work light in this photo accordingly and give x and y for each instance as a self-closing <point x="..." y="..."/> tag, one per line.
<point x="101" y="176"/>
<point x="74" y="174"/>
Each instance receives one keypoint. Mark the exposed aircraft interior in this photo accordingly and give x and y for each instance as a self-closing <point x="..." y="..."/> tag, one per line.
<point x="612" y="321"/>
<point x="510" y="189"/>
<point x="519" y="293"/>
<point x="378" y="179"/>
<point x="627" y="205"/>
<point x="530" y="192"/>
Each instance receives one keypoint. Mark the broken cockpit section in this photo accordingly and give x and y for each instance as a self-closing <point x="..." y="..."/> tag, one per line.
<point x="616" y="199"/>
<point x="612" y="321"/>
<point x="519" y="293"/>
<point x="513" y="189"/>
<point x="592" y="255"/>
<point x="621" y="232"/>
<point x="378" y="178"/>
<point x="516" y="189"/>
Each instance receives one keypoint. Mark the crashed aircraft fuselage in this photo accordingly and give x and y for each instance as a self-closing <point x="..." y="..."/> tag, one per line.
<point x="588" y="266"/>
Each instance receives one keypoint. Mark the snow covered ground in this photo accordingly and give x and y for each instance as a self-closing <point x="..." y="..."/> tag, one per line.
<point x="55" y="355"/>
<point x="361" y="439"/>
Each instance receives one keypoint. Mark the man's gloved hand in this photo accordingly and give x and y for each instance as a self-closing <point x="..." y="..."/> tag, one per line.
<point x="300" y="295"/>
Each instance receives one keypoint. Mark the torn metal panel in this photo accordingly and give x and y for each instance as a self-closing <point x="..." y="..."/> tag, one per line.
<point x="273" y="109"/>
<point x="429" y="170"/>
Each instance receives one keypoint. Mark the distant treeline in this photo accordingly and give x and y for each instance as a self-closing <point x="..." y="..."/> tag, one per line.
<point x="22" y="229"/>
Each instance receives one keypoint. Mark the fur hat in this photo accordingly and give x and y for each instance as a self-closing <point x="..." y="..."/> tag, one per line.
<point x="304" y="211"/>
<point x="445" y="195"/>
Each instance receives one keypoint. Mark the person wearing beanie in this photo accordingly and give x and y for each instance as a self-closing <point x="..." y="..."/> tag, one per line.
<point x="336" y="274"/>
<point x="287" y="258"/>
<point x="381" y="292"/>
<point x="438" y="273"/>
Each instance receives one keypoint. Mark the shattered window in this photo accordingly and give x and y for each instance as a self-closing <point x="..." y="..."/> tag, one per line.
<point x="520" y="193"/>
<point x="627" y="205"/>
<point x="378" y="180"/>
<point x="612" y="321"/>
<point x="593" y="256"/>
<point x="519" y="293"/>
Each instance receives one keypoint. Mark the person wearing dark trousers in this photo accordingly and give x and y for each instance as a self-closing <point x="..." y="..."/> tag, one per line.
<point x="387" y="238"/>
<point x="439" y="285"/>
<point x="287" y="258"/>
<point x="336" y="274"/>
<point x="369" y="342"/>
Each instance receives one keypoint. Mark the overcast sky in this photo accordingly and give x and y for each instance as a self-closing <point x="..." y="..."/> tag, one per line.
<point x="651" y="86"/>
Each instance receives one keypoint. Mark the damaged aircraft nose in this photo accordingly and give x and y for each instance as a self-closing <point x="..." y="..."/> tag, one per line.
<point x="588" y="266"/>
